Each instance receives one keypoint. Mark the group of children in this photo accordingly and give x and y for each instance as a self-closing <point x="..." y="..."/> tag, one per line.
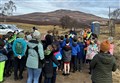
<point x="66" y="53"/>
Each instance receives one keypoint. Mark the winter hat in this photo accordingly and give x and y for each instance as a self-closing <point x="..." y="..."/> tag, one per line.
<point x="34" y="28"/>
<point x="28" y="37"/>
<point x="36" y="34"/>
<point x="21" y="35"/>
<point x="105" y="46"/>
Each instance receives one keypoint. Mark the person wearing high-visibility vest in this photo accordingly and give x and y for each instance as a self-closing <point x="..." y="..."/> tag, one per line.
<point x="89" y="33"/>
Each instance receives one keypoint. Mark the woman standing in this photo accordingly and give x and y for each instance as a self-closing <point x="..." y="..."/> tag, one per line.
<point x="102" y="65"/>
<point x="35" y="57"/>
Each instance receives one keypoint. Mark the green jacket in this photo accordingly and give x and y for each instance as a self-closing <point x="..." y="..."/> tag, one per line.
<point x="13" y="38"/>
<point x="102" y="66"/>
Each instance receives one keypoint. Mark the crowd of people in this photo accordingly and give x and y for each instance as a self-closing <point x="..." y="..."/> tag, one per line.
<point x="68" y="53"/>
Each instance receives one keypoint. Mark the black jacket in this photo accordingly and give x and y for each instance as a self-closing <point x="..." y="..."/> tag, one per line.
<point x="48" y="68"/>
<point x="67" y="53"/>
<point x="49" y="39"/>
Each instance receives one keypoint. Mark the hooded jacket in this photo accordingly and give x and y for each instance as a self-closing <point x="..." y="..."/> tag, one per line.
<point x="80" y="54"/>
<point x="67" y="53"/>
<point x="32" y="60"/>
<point x="102" y="65"/>
<point x="48" y="68"/>
<point x="75" y="49"/>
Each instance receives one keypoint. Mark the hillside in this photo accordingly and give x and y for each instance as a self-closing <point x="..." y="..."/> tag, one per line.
<point x="54" y="17"/>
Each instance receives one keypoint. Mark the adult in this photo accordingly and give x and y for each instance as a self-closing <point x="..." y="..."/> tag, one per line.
<point x="73" y="32"/>
<point x="35" y="57"/>
<point x="34" y="29"/>
<point x="49" y="38"/>
<point x="102" y="65"/>
<point x="55" y="32"/>
<point x="19" y="48"/>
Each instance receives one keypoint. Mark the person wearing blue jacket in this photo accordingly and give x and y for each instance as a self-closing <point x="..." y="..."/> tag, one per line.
<point x="80" y="54"/>
<point x="19" y="48"/>
<point x="75" y="50"/>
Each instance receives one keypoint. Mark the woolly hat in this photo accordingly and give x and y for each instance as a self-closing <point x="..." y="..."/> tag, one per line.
<point x="21" y="35"/>
<point x="28" y="37"/>
<point x="105" y="46"/>
<point x="36" y="34"/>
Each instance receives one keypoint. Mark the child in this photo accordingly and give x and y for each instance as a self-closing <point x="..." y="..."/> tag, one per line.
<point x="91" y="52"/>
<point x="48" y="68"/>
<point x="80" y="54"/>
<point x="67" y="57"/>
<point x="58" y="56"/>
<point x="75" y="50"/>
<point x="111" y="51"/>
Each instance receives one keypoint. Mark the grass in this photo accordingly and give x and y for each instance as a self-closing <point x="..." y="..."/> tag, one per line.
<point x="42" y="28"/>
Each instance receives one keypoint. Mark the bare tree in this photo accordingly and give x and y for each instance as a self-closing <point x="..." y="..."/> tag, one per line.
<point x="65" y="22"/>
<point x="7" y="9"/>
<point x="115" y="14"/>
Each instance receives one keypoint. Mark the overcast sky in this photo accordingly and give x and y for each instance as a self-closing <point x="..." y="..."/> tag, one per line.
<point x="96" y="7"/>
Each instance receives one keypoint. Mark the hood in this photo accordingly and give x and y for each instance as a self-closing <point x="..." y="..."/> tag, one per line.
<point x="106" y="58"/>
<point x="47" y="52"/>
<point x="67" y="48"/>
<point x="33" y="43"/>
<point x="74" y="44"/>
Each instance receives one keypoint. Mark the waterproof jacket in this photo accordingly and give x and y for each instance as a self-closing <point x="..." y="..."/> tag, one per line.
<point x="48" y="68"/>
<point x="75" y="49"/>
<point x="80" y="54"/>
<point x="102" y="66"/>
<point x="67" y="53"/>
<point x="33" y="56"/>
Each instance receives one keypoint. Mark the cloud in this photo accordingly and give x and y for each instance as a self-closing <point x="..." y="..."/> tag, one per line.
<point x="96" y="7"/>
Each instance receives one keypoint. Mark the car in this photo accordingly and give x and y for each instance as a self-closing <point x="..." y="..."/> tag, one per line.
<point x="5" y="28"/>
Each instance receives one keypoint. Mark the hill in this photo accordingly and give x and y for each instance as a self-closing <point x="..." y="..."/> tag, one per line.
<point x="54" y="17"/>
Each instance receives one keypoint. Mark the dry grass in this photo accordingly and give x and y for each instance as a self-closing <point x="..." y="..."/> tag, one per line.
<point x="42" y="28"/>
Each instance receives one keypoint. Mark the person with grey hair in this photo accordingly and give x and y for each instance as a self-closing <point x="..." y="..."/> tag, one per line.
<point x="35" y="58"/>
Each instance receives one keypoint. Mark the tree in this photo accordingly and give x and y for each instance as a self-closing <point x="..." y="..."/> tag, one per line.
<point x="65" y="22"/>
<point x="115" y="14"/>
<point x="7" y="9"/>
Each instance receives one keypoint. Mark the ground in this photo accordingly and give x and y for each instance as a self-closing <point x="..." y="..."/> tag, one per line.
<point x="78" y="77"/>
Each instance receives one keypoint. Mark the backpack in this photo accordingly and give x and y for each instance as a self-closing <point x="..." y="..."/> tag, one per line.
<point x="40" y="62"/>
<point x="19" y="47"/>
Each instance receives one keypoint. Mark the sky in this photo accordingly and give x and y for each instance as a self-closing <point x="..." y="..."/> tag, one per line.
<point x="96" y="7"/>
